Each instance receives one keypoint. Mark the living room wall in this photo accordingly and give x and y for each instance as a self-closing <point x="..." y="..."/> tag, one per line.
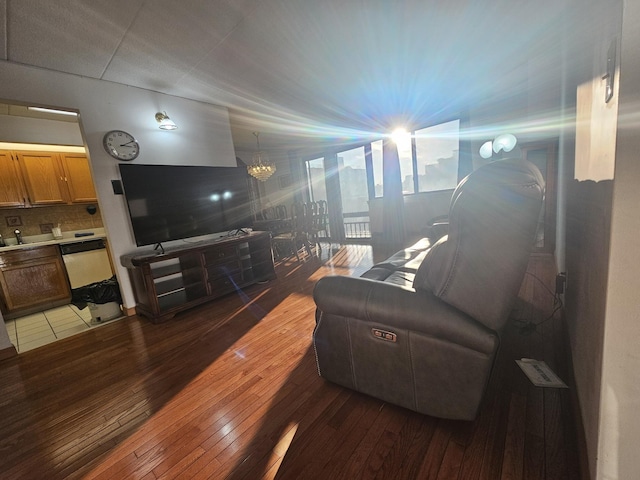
<point x="279" y="188"/>
<point x="203" y="137"/>
<point x="589" y="212"/>
<point x="619" y="423"/>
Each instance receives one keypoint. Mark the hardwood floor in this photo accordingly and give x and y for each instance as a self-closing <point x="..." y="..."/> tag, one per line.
<point x="230" y="390"/>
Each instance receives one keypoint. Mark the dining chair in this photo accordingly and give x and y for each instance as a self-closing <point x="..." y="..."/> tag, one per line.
<point x="296" y="237"/>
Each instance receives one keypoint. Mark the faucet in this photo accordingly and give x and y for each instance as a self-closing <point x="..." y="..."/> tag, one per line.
<point x="18" y="236"/>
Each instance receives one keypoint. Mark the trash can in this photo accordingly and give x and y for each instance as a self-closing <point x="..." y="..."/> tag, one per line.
<point x="103" y="299"/>
<point x="103" y="312"/>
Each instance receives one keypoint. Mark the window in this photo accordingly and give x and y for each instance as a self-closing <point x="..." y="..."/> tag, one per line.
<point x="406" y="165"/>
<point x="316" y="175"/>
<point x="437" y="150"/>
<point x="353" y="180"/>
<point x="347" y="180"/>
<point x="429" y="161"/>
<point x="376" y="160"/>
<point x="432" y="165"/>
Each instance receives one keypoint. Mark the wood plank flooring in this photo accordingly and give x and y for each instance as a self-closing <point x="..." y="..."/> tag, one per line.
<point x="230" y="390"/>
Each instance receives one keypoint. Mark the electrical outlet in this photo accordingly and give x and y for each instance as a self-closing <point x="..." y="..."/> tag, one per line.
<point x="14" y="221"/>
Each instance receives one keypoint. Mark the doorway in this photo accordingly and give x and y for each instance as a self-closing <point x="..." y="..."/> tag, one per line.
<point x="543" y="156"/>
<point x="39" y="143"/>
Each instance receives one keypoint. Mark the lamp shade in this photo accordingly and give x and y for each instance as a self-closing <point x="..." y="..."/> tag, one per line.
<point x="505" y="142"/>
<point x="165" y="123"/>
<point x="486" y="150"/>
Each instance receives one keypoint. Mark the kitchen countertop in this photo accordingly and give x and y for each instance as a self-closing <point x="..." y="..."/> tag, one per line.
<point x="47" y="239"/>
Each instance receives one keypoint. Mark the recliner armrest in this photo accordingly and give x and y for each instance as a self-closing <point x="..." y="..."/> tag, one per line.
<point x="398" y="307"/>
<point x="437" y="229"/>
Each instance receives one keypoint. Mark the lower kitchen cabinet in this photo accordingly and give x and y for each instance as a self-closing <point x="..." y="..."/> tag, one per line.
<point x="32" y="279"/>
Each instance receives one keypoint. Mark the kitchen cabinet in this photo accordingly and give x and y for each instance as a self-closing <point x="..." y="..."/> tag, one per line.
<point x="45" y="178"/>
<point x="11" y="187"/>
<point x="32" y="279"/>
<point x="78" y="177"/>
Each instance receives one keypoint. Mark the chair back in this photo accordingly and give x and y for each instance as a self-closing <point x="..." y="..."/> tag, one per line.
<point x="298" y="218"/>
<point x="281" y="212"/>
<point x="316" y="217"/>
<point x="479" y="266"/>
<point x="268" y="213"/>
<point x="321" y="219"/>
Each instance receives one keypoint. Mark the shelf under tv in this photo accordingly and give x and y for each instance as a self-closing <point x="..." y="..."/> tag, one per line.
<point x="166" y="283"/>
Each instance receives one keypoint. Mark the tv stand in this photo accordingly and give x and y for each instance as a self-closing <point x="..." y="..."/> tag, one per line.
<point x="168" y="282"/>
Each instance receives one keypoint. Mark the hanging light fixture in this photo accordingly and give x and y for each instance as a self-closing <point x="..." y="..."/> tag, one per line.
<point x="260" y="167"/>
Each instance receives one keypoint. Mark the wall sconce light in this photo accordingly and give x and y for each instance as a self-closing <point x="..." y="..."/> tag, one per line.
<point x="486" y="150"/>
<point x="505" y="142"/>
<point x="165" y="122"/>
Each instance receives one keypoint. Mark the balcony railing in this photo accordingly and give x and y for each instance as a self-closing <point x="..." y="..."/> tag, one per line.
<point x="356" y="225"/>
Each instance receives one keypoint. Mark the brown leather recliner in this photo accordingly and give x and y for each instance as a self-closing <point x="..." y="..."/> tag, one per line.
<point x="421" y="330"/>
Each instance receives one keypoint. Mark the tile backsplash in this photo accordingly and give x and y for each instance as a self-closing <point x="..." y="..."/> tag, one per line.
<point x="35" y="221"/>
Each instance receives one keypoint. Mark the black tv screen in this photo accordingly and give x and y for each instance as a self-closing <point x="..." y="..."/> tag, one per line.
<point x="172" y="202"/>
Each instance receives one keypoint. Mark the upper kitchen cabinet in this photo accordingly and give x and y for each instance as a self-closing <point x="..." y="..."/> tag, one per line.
<point x="43" y="177"/>
<point x="49" y="179"/>
<point x="78" y="177"/>
<point x="11" y="189"/>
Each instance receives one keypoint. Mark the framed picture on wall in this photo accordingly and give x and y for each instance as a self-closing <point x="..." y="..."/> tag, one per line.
<point x="284" y="181"/>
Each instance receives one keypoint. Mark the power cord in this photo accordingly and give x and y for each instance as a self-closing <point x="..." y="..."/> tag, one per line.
<point x="529" y="327"/>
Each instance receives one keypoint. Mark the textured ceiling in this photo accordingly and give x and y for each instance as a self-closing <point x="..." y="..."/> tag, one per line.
<point x="295" y="69"/>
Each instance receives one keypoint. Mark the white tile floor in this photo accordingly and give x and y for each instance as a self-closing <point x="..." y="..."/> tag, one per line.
<point x="41" y="328"/>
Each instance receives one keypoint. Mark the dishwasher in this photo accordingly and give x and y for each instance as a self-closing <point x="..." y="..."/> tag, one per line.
<point x="86" y="262"/>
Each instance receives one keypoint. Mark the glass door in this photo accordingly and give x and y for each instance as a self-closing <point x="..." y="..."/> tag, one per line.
<point x="315" y="179"/>
<point x="317" y="188"/>
<point x="343" y="181"/>
<point x="354" y="193"/>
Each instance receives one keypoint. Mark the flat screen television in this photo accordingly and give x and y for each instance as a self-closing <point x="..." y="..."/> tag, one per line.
<point x="172" y="202"/>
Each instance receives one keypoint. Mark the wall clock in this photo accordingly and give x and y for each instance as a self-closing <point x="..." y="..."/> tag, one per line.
<point x="121" y="145"/>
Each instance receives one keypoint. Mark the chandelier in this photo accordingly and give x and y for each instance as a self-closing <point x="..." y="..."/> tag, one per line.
<point x="260" y="167"/>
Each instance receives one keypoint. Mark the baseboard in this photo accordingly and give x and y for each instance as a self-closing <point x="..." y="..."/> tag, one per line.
<point x="129" y="312"/>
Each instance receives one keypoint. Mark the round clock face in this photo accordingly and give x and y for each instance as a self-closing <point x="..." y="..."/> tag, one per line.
<point x="121" y="145"/>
